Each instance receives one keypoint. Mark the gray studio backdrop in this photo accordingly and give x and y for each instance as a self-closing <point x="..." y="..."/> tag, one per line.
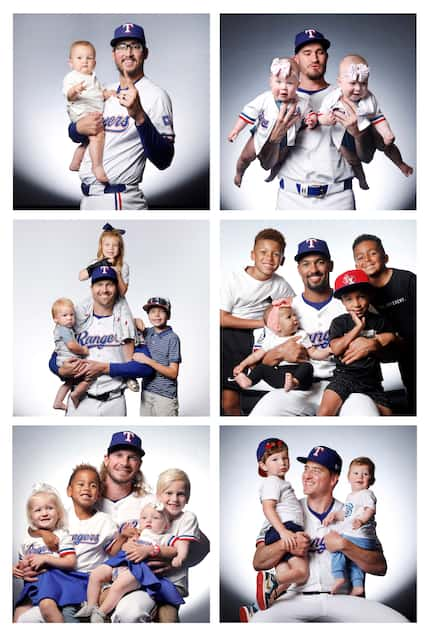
<point x="49" y="454"/>
<point x="398" y="238"/>
<point x="178" y="62"/>
<point x="393" y="449"/>
<point x="250" y="42"/>
<point x="48" y="256"/>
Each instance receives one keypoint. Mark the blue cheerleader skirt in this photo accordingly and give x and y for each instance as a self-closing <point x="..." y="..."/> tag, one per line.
<point x="159" y="588"/>
<point x="64" y="587"/>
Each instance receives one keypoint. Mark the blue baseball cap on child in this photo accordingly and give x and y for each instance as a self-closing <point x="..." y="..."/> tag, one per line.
<point x="324" y="456"/>
<point x="128" y="32"/>
<point x="307" y="37"/>
<point x="126" y="440"/>
<point x="312" y="245"/>
<point x="268" y="443"/>
<point x="104" y="273"/>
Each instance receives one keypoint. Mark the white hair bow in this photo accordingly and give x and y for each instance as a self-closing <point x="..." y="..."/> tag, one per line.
<point x="358" y="72"/>
<point x="281" y="68"/>
<point x="158" y="506"/>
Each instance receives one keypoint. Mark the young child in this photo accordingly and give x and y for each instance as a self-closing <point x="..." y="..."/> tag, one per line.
<point x="284" y="518"/>
<point x="244" y="297"/>
<point x="128" y="576"/>
<point x="359" y="525"/>
<point x="281" y="323"/>
<point x="394" y="297"/>
<point x="66" y="346"/>
<point x="173" y="490"/>
<point x="160" y="393"/>
<point x="364" y="375"/>
<point x="110" y="251"/>
<point x="85" y="94"/>
<point x="263" y="111"/>
<point x="353" y="84"/>
<point x="45" y="512"/>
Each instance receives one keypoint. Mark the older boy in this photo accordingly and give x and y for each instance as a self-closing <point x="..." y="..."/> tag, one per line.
<point x="244" y="296"/>
<point x="394" y="297"/>
<point x="160" y="393"/>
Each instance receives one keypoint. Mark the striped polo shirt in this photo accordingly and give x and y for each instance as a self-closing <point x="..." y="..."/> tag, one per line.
<point x="165" y="348"/>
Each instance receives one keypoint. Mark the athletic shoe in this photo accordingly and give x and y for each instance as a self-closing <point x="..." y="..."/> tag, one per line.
<point x="97" y="616"/>
<point x="266" y="584"/>
<point x="246" y="612"/>
<point x="85" y="611"/>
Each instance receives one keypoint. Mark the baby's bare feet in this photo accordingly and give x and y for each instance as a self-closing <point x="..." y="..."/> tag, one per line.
<point x="243" y="381"/>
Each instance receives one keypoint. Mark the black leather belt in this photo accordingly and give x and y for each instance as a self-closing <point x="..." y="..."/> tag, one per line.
<point x="107" y="396"/>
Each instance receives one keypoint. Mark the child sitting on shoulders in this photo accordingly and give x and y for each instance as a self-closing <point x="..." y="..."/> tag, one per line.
<point x="358" y="515"/>
<point x="281" y="323"/>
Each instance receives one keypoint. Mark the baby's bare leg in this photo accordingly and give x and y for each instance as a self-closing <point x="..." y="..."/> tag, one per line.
<point x="393" y="153"/>
<point x="97" y="143"/>
<point x="384" y="410"/>
<point x="245" y="159"/>
<point x="295" y="570"/>
<point x="330" y="404"/>
<point x="125" y="582"/>
<point x="63" y="390"/>
<point x="79" y="392"/>
<point x="78" y="155"/>
<point x="100" y="575"/>
<point x="357" y="167"/>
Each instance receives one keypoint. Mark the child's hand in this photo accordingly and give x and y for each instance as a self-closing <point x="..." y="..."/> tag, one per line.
<point x="141" y="357"/>
<point x="77" y="89"/>
<point x="177" y="562"/>
<point x="358" y="321"/>
<point x="329" y="519"/>
<point x="36" y="561"/>
<point x="108" y="93"/>
<point x="238" y="369"/>
<point x="311" y="120"/>
<point x="232" y="136"/>
<point x="289" y="538"/>
<point x="327" y="118"/>
<point x="357" y="523"/>
<point x="129" y="531"/>
<point x="139" y="324"/>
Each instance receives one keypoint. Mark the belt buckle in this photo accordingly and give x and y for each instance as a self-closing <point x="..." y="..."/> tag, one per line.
<point x="322" y="191"/>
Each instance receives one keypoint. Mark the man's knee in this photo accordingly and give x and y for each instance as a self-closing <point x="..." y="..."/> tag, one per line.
<point x="359" y="405"/>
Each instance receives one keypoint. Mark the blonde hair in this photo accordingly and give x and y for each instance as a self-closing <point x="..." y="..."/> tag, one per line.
<point x="81" y="43"/>
<point x="168" y="476"/>
<point x="59" y="303"/>
<point x="112" y="233"/>
<point x="41" y="488"/>
<point x="139" y="488"/>
<point x="159" y="507"/>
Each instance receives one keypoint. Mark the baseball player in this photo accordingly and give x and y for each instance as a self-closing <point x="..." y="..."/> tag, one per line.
<point x="313" y="601"/>
<point x="315" y="308"/>
<point x="138" y="125"/>
<point x="314" y="175"/>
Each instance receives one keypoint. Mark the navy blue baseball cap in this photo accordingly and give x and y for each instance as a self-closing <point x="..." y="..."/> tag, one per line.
<point x="324" y="456"/>
<point x="104" y="273"/>
<point x="312" y="245"/>
<point x="308" y="36"/>
<point x="269" y="443"/>
<point x="126" y="440"/>
<point x="128" y="32"/>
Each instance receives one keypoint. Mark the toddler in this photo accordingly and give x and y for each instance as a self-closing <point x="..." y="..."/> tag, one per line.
<point x="353" y="84"/>
<point x="284" y="518"/>
<point x="282" y="323"/>
<point x="127" y="575"/>
<point x="66" y="346"/>
<point x="85" y="94"/>
<point x="263" y="111"/>
<point x="359" y="525"/>
<point x="364" y="375"/>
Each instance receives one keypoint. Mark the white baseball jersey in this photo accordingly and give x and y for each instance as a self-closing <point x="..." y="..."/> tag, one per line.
<point x="244" y="296"/>
<point x="126" y="510"/>
<point x="317" y="323"/>
<point x="314" y="158"/>
<point x="368" y="111"/>
<point x="124" y="157"/>
<point x="36" y="545"/>
<point x="320" y="577"/>
<point x="91" y="538"/>
<point x="288" y="507"/>
<point x="184" y="528"/>
<point x="90" y="100"/>
<point x="353" y="508"/>
<point x="263" y="112"/>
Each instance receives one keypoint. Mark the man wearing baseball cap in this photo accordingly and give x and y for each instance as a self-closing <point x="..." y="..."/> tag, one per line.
<point x="312" y="600"/>
<point x="138" y="124"/>
<point x="316" y="307"/>
<point x="314" y="175"/>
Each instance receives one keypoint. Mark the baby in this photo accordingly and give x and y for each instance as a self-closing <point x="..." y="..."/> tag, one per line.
<point x="359" y="526"/>
<point x="66" y="346"/>
<point x="263" y="111"/>
<point x="85" y="94"/>
<point x="353" y="84"/>
<point x="127" y="576"/>
<point x="282" y="323"/>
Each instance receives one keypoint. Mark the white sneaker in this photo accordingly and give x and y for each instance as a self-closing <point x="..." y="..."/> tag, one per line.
<point x="85" y="611"/>
<point x="97" y="616"/>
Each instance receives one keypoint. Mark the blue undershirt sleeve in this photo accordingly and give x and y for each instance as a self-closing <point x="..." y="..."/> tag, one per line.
<point x="132" y="369"/>
<point x="158" y="149"/>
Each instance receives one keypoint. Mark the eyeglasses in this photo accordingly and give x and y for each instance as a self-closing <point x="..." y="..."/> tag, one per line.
<point x="123" y="46"/>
